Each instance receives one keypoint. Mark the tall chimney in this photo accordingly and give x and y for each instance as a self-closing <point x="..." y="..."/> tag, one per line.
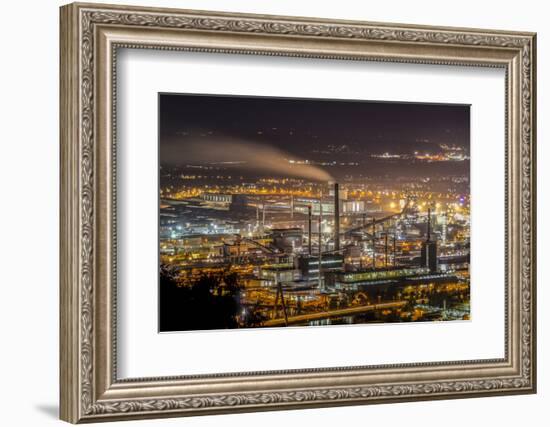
<point x="263" y="217"/>
<point x="336" y="217"/>
<point x="429" y="225"/>
<point x="373" y="243"/>
<point x="386" y="251"/>
<point x="394" y="252"/>
<point x="309" y="228"/>
<point x="321" y="243"/>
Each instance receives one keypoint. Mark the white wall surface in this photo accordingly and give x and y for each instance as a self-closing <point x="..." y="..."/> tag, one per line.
<point x="29" y="170"/>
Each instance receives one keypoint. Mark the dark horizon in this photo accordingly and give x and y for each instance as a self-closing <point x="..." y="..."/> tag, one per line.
<point x="301" y="126"/>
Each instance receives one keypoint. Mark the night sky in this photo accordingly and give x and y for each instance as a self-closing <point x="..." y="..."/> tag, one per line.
<point x="192" y="126"/>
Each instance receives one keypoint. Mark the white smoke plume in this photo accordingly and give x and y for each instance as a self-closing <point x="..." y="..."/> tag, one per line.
<point x="245" y="155"/>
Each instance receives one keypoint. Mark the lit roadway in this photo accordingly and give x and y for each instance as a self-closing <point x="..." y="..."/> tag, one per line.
<point x="334" y="313"/>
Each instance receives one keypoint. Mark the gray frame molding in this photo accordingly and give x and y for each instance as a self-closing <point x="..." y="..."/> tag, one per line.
<point x="90" y="37"/>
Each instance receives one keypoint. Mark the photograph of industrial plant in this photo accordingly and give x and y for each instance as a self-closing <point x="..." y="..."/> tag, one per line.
<point x="288" y="212"/>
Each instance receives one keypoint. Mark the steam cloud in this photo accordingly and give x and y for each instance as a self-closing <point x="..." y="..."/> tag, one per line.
<point x="249" y="155"/>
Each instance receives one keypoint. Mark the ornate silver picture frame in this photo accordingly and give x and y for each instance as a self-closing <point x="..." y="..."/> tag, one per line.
<point x="91" y="35"/>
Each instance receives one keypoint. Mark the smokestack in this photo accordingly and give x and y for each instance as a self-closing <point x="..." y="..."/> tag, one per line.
<point x="386" y="251"/>
<point x="394" y="252"/>
<point x="320" y="242"/>
<point x="309" y="229"/>
<point x="263" y="217"/>
<point x="373" y="243"/>
<point x="429" y="225"/>
<point x="336" y="217"/>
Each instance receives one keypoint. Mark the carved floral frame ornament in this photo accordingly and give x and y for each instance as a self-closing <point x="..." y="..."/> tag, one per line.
<point x="90" y="37"/>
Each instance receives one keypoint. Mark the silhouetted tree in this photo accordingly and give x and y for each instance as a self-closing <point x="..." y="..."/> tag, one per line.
<point x="210" y="302"/>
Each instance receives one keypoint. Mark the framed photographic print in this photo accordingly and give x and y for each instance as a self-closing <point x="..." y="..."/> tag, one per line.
<point x="264" y="212"/>
<point x="311" y="212"/>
